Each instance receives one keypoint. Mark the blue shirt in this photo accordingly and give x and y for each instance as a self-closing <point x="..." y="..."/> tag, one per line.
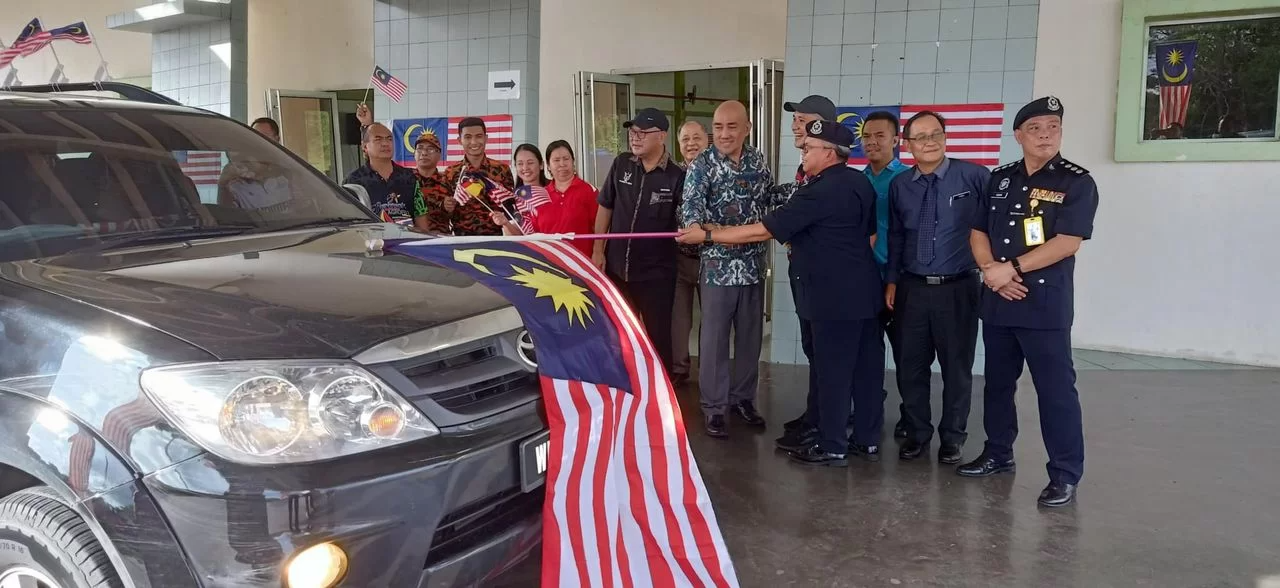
<point x="960" y="185"/>
<point x="721" y="192"/>
<point x="881" y="183"/>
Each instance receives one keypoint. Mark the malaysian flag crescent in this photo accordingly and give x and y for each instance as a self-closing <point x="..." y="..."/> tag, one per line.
<point x="625" y="503"/>
<point x="973" y="130"/>
<point x="389" y="84"/>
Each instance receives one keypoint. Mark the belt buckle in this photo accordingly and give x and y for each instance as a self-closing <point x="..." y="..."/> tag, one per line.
<point x="933" y="280"/>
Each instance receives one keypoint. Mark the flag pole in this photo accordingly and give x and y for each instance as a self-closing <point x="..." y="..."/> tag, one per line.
<point x="58" y="72"/>
<point x="101" y="58"/>
<point x="13" y="70"/>
<point x="370" y="88"/>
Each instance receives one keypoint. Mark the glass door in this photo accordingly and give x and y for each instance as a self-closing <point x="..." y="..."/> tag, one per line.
<point x="765" y="76"/>
<point x="603" y="102"/>
<point x="308" y="127"/>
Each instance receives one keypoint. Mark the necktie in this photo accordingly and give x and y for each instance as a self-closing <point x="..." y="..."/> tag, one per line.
<point x="928" y="221"/>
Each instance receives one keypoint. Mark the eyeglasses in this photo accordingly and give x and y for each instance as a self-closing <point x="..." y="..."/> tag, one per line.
<point x="426" y="149"/>
<point x="808" y="148"/>
<point x="937" y="137"/>
<point x="634" y="132"/>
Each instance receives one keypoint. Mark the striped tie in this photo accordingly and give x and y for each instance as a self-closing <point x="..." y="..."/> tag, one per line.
<point x="928" y="221"/>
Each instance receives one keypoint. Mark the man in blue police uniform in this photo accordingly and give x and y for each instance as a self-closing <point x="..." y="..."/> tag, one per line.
<point x="829" y="222"/>
<point x="1038" y="211"/>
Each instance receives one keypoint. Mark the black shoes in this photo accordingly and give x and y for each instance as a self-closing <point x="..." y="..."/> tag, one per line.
<point x="1057" y="494"/>
<point x="986" y="465"/>
<point x="900" y="431"/>
<point x="949" y="453"/>
<point x="870" y="453"/>
<point x="715" y="426"/>
<point x="796" y="440"/>
<point x="912" y="449"/>
<point x="814" y="456"/>
<point x="746" y="410"/>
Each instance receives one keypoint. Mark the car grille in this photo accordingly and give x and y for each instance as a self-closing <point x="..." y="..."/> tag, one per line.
<point x="473" y="524"/>
<point x="475" y="378"/>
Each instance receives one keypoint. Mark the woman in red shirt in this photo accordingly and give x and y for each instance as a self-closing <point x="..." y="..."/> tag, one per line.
<point x="572" y="208"/>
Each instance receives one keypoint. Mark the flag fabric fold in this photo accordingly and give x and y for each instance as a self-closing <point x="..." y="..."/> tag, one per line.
<point x="625" y="503"/>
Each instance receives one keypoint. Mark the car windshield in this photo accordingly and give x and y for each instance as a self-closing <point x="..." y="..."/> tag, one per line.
<point x="79" y="179"/>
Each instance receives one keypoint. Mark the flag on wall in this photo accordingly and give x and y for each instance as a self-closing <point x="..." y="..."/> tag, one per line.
<point x="203" y="167"/>
<point x="973" y="130"/>
<point x="625" y="502"/>
<point x="498" y="145"/>
<point x="1175" y="66"/>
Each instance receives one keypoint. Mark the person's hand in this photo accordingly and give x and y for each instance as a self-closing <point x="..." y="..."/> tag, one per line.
<point x="498" y="218"/>
<point x="890" y="292"/>
<point x="364" y="115"/>
<point x="1013" y="291"/>
<point x="597" y="257"/>
<point x="692" y="235"/>
<point x="450" y="204"/>
<point x="998" y="275"/>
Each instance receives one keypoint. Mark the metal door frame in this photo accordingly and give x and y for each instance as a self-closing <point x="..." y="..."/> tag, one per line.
<point x="584" y="106"/>
<point x="273" y="110"/>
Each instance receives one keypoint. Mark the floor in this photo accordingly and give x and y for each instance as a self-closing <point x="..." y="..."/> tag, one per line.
<point x="1181" y="489"/>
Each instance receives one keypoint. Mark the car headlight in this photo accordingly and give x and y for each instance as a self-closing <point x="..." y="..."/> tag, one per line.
<point x="270" y="412"/>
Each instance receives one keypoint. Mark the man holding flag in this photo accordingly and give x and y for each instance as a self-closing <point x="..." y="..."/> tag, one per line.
<point x="479" y="184"/>
<point x="392" y="189"/>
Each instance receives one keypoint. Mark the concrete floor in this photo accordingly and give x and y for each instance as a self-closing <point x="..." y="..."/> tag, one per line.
<point x="1181" y="489"/>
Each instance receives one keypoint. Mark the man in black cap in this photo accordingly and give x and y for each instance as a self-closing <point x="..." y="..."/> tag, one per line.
<point x="642" y="194"/>
<point x="1038" y="211"/>
<point x="829" y="222"/>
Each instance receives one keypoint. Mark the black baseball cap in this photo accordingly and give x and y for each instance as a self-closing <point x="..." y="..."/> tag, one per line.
<point x="831" y="132"/>
<point x="815" y="104"/>
<point x="648" y="118"/>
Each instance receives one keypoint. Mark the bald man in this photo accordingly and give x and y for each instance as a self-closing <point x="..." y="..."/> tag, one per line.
<point x="729" y="185"/>
<point x="393" y="190"/>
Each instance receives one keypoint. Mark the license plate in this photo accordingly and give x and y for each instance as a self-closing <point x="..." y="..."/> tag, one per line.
<point x="533" y="460"/>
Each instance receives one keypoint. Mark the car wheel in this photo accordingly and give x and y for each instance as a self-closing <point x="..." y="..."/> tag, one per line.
<point x="45" y="544"/>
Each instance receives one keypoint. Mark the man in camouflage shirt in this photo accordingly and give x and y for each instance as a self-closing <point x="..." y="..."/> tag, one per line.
<point x="475" y="217"/>
<point x="730" y="184"/>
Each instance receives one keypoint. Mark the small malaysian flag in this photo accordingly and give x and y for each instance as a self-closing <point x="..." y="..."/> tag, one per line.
<point x="529" y="198"/>
<point x="389" y="84"/>
<point x="497" y="192"/>
<point x="203" y="167"/>
<point x="467" y="189"/>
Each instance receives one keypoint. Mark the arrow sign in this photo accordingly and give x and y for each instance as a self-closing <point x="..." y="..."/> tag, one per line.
<point x="504" y="85"/>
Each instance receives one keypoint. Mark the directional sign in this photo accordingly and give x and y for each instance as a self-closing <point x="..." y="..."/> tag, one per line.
<point x="504" y="85"/>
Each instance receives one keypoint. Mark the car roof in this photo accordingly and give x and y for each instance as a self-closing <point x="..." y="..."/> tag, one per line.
<point x="16" y="98"/>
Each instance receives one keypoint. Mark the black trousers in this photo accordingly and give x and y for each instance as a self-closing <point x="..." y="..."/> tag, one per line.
<point x="1047" y="353"/>
<point x="654" y="301"/>
<point x="890" y="328"/>
<point x="848" y="366"/>
<point x="937" y="320"/>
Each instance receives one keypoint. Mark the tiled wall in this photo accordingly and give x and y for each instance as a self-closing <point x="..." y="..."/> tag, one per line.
<point x="883" y="52"/>
<point x="444" y="50"/>
<point x="205" y="65"/>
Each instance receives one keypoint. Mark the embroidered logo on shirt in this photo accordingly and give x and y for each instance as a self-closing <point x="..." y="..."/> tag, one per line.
<point x="626" y="178"/>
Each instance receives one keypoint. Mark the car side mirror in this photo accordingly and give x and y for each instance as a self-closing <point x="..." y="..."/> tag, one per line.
<point x="360" y="193"/>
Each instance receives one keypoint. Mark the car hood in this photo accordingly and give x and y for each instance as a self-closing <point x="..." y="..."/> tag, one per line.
<point x="299" y="294"/>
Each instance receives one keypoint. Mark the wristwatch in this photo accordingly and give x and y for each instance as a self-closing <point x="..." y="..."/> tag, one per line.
<point x="709" y="240"/>
<point x="1017" y="267"/>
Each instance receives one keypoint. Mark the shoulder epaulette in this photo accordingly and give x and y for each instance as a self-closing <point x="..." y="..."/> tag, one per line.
<point x="1073" y="168"/>
<point x="1007" y="166"/>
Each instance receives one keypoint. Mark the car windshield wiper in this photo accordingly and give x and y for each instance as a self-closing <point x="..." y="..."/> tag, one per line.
<point x="323" y="222"/>
<point x="163" y="235"/>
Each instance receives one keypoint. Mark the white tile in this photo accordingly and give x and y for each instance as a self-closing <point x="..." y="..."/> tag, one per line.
<point x="477" y="77"/>
<point x="856" y="59"/>
<point x="500" y="49"/>
<point x="457" y="78"/>
<point x="800" y="30"/>
<point x="520" y="22"/>
<point x="457" y="52"/>
<point x="437" y="104"/>
<point x="800" y="7"/>
<point x="854" y="91"/>
<point x="500" y="23"/>
<point x="886" y="89"/>
<point x="888" y="58"/>
<point x="917" y="88"/>
<point x="477" y="51"/>
<point x="478" y="25"/>
<point x="457" y="104"/>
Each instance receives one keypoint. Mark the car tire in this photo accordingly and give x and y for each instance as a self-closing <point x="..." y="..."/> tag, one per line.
<point x="41" y="537"/>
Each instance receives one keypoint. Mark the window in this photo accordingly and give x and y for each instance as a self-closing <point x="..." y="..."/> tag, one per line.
<point x="1199" y="81"/>
<point x="1212" y="79"/>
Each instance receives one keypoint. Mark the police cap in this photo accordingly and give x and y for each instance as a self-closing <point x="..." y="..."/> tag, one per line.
<point x="1040" y="107"/>
<point x="831" y="132"/>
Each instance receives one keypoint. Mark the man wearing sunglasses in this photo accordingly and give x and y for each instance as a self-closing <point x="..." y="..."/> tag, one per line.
<point x="933" y="284"/>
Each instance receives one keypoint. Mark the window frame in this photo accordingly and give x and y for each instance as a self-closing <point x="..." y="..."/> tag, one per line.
<point x="1137" y="18"/>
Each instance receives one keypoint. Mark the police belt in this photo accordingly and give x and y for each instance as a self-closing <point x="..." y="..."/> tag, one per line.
<point x="939" y="280"/>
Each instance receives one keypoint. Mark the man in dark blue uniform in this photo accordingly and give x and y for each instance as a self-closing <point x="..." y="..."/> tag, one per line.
<point x="829" y="222"/>
<point x="1038" y="211"/>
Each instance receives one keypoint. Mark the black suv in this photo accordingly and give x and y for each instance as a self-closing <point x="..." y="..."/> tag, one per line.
<point x="207" y="378"/>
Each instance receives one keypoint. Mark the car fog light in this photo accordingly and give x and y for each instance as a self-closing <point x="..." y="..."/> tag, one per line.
<point x="318" y="566"/>
<point x="384" y="421"/>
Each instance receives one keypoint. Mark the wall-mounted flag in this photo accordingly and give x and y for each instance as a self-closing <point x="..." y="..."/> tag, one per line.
<point x="1175" y="68"/>
<point x="973" y="130"/>
<point x="405" y="132"/>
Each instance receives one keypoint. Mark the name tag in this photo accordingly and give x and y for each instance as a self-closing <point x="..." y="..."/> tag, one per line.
<point x="1047" y="195"/>
<point x="662" y="196"/>
<point x="955" y="197"/>
<point x="1034" y="229"/>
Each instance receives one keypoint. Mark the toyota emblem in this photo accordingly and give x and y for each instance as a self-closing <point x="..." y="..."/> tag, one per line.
<point x="524" y="346"/>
